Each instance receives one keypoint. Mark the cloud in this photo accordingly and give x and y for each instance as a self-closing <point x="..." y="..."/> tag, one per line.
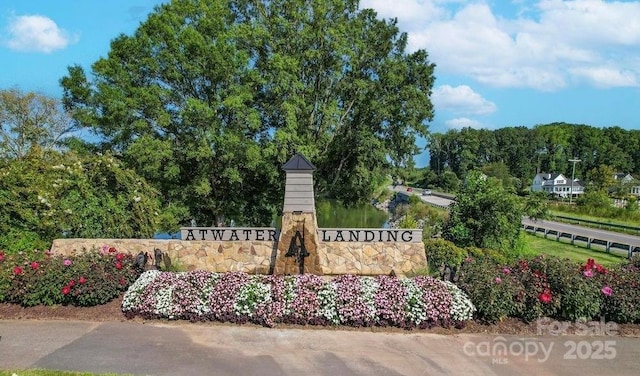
<point x="463" y="122"/>
<point x="461" y="100"/>
<point x="36" y="33"/>
<point x="545" y="45"/>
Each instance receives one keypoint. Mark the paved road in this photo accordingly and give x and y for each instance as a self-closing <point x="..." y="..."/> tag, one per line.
<point x="615" y="237"/>
<point x="200" y="349"/>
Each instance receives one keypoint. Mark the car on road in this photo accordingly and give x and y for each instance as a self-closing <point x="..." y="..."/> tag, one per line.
<point x="409" y="189"/>
<point x="426" y="192"/>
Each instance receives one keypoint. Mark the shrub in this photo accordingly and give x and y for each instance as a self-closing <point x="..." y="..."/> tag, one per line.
<point x="86" y="279"/>
<point x="14" y="242"/>
<point x="443" y="253"/>
<point x="484" y="253"/>
<point x="621" y="293"/>
<point x="494" y="291"/>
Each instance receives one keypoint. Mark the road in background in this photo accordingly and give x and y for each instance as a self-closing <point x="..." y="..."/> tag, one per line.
<point x="619" y="241"/>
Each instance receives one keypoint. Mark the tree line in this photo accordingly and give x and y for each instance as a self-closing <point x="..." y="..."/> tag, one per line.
<point x="521" y="152"/>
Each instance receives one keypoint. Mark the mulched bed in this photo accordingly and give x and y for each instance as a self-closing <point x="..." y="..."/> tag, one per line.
<point x="111" y="312"/>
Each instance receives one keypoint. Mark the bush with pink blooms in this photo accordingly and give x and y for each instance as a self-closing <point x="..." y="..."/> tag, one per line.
<point x="268" y="300"/>
<point x="545" y="286"/>
<point x="86" y="279"/>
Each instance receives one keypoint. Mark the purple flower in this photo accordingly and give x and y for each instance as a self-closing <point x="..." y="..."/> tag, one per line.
<point x="607" y="290"/>
<point x="588" y="273"/>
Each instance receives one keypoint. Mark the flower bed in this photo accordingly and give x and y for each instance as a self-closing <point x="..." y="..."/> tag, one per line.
<point x="552" y="287"/>
<point x="238" y="297"/>
<point x="87" y="279"/>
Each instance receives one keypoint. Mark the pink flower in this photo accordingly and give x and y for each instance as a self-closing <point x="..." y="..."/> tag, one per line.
<point x="66" y="262"/>
<point x="607" y="290"/>
<point x="34" y="265"/>
<point x="545" y="297"/>
<point x="118" y="265"/>
<point x="72" y="283"/>
<point x="17" y="270"/>
<point x="120" y="256"/>
<point x="506" y="271"/>
<point x="588" y="273"/>
<point x="66" y="290"/>
<point x="498" y="280"/>
<point x="82" y="280"/>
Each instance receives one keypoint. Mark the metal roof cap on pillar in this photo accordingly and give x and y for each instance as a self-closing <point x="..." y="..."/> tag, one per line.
<point x="298" y="163"/>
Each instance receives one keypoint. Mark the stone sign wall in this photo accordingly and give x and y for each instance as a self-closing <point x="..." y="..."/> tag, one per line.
<point x="299" y="247"/>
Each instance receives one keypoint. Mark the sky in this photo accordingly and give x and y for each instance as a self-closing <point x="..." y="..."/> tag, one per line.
<point x="499" y="63"/>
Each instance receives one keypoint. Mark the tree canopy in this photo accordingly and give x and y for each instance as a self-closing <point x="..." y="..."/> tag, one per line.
<point x="484" y="215"/>
<point x="543" y="148"/>
<point x="30" y="120"/>
<point x="208" y="98"/>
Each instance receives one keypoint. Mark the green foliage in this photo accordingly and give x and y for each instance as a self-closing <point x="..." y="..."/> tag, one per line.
<point x="536" y="287"/>
<point x="543" y="148"/>
<point x="15" y="241"/>
<point x="484" y="215"/>
<point x="45" y="196"/>
<point x="86" y="279"/>
<point x="408" y="221"/>
<point x="491" y="255"/>
<point x="491" y="290"/>
<point x="594" y="200"/>
<point x="622" y="305"/>
<point x="536" y="206"/>
<point x="207" y="99"/>
<point x="30" y="121"/>
<point x="601" y="178"/>
<point x="441" y="253"/>
<point x="449" y="182"/>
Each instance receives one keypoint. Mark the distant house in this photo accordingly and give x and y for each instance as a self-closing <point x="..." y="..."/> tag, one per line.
<point x="557" y="184"/>
<point x="627" y="179"/>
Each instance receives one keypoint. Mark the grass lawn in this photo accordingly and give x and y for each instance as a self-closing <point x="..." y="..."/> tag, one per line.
<point x="536" y="245"/>
<point x="611" y="221"/>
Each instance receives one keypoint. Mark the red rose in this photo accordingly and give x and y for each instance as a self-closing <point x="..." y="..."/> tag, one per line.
<point x="119" y="256"/>
<point x="545" y="297"/>
<point x="1" y="256"/>
<point x="118" y="265"/>
<point x="17" y="270"/>
<point x="112" y="250"/>
<point x="34" y="265"/>
<point x="66" y="290"/>
<point x="82" y="280"/>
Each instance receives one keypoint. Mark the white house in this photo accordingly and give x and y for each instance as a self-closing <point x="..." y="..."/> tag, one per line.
<point x="634" y="188"/>
<point x="557" y="184"/>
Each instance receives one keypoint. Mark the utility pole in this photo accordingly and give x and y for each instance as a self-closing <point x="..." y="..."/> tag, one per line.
<point x="573" y="173"/>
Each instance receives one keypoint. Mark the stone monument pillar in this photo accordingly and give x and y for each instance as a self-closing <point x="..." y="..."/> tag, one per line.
<point x="298" y="243"/>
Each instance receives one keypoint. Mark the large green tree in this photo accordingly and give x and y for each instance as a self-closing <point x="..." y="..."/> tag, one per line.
<point x="485" y="215"/>
<point x="209" y="97"/>
<point x="28" y="120"/>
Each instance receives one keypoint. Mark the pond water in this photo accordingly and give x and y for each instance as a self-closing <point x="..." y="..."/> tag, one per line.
<point x="332" y="214"/>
